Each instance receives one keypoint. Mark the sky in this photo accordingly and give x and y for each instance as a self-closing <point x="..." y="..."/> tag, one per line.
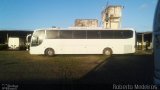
<point x="34" y="14"/>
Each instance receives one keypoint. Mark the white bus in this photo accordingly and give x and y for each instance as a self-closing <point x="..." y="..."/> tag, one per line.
<point x="82" y="41"/>
<point x="156" y="36"/>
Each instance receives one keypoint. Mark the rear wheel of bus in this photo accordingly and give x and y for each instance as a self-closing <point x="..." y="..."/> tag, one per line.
<point x="107" y="51"/>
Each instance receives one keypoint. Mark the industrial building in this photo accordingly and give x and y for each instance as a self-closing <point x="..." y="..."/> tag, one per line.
<point x="111" y="19"/>
<point x="86" y="23"/>
<point x="112" y="16"/>
<point x="20" y="35"/>
<point x="144" y="41"/>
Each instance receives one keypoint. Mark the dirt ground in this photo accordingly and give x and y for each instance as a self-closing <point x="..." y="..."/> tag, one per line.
<point x="19" y="67"/>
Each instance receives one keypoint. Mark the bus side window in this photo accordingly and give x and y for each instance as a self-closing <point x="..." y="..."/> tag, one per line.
<point x="79" y="34"/>
<point x="92" y="34"/>
<point x="107" y="34"/>
<point x="66" y="34"/>
<point x="118" y="34"/>
<point x="128" y="34"/>
<point x="52" y="34"/>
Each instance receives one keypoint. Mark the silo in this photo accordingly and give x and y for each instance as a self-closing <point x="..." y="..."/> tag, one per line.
<point x="111" y="17"/>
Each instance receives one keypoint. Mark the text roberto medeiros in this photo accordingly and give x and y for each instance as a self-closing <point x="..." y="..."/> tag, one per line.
<point x="145" y="87"/>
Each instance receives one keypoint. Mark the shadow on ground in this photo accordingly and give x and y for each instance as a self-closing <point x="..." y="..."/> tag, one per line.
<point x="122" y="69"/>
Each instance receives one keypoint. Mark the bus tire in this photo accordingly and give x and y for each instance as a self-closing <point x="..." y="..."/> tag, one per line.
<point x="107" y="51"/>
<point x="49" y="52"/>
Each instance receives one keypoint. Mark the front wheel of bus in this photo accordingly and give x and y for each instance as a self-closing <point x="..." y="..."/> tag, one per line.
<point x="107" y="51"/>
<point x="49" y="52"/>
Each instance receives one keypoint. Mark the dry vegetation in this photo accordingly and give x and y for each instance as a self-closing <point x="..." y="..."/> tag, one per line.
<point x="20" y="65"/>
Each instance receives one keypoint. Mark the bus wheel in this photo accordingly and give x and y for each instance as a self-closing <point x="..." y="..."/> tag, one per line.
<point x="49" y="52"/>
<point x="107" y="51"/>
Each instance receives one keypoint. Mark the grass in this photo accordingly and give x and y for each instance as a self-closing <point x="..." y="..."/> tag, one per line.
<point x="20" y="65"/>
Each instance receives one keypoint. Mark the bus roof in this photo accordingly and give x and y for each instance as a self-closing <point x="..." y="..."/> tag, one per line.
<point x="83" y="28"/>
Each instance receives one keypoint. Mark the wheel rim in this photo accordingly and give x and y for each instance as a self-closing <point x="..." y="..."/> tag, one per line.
<point x="107" y="52"/>
<point x="50" y="52"/>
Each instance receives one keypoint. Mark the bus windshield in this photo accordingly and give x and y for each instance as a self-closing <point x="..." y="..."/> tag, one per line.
<point x="37" y="37"/>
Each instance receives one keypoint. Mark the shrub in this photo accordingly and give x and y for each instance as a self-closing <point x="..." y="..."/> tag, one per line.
<point x="3" y="46"/>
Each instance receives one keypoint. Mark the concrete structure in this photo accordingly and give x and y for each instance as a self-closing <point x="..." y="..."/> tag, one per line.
<point x="111" y="17"/>
<point x="86" y="23"/>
